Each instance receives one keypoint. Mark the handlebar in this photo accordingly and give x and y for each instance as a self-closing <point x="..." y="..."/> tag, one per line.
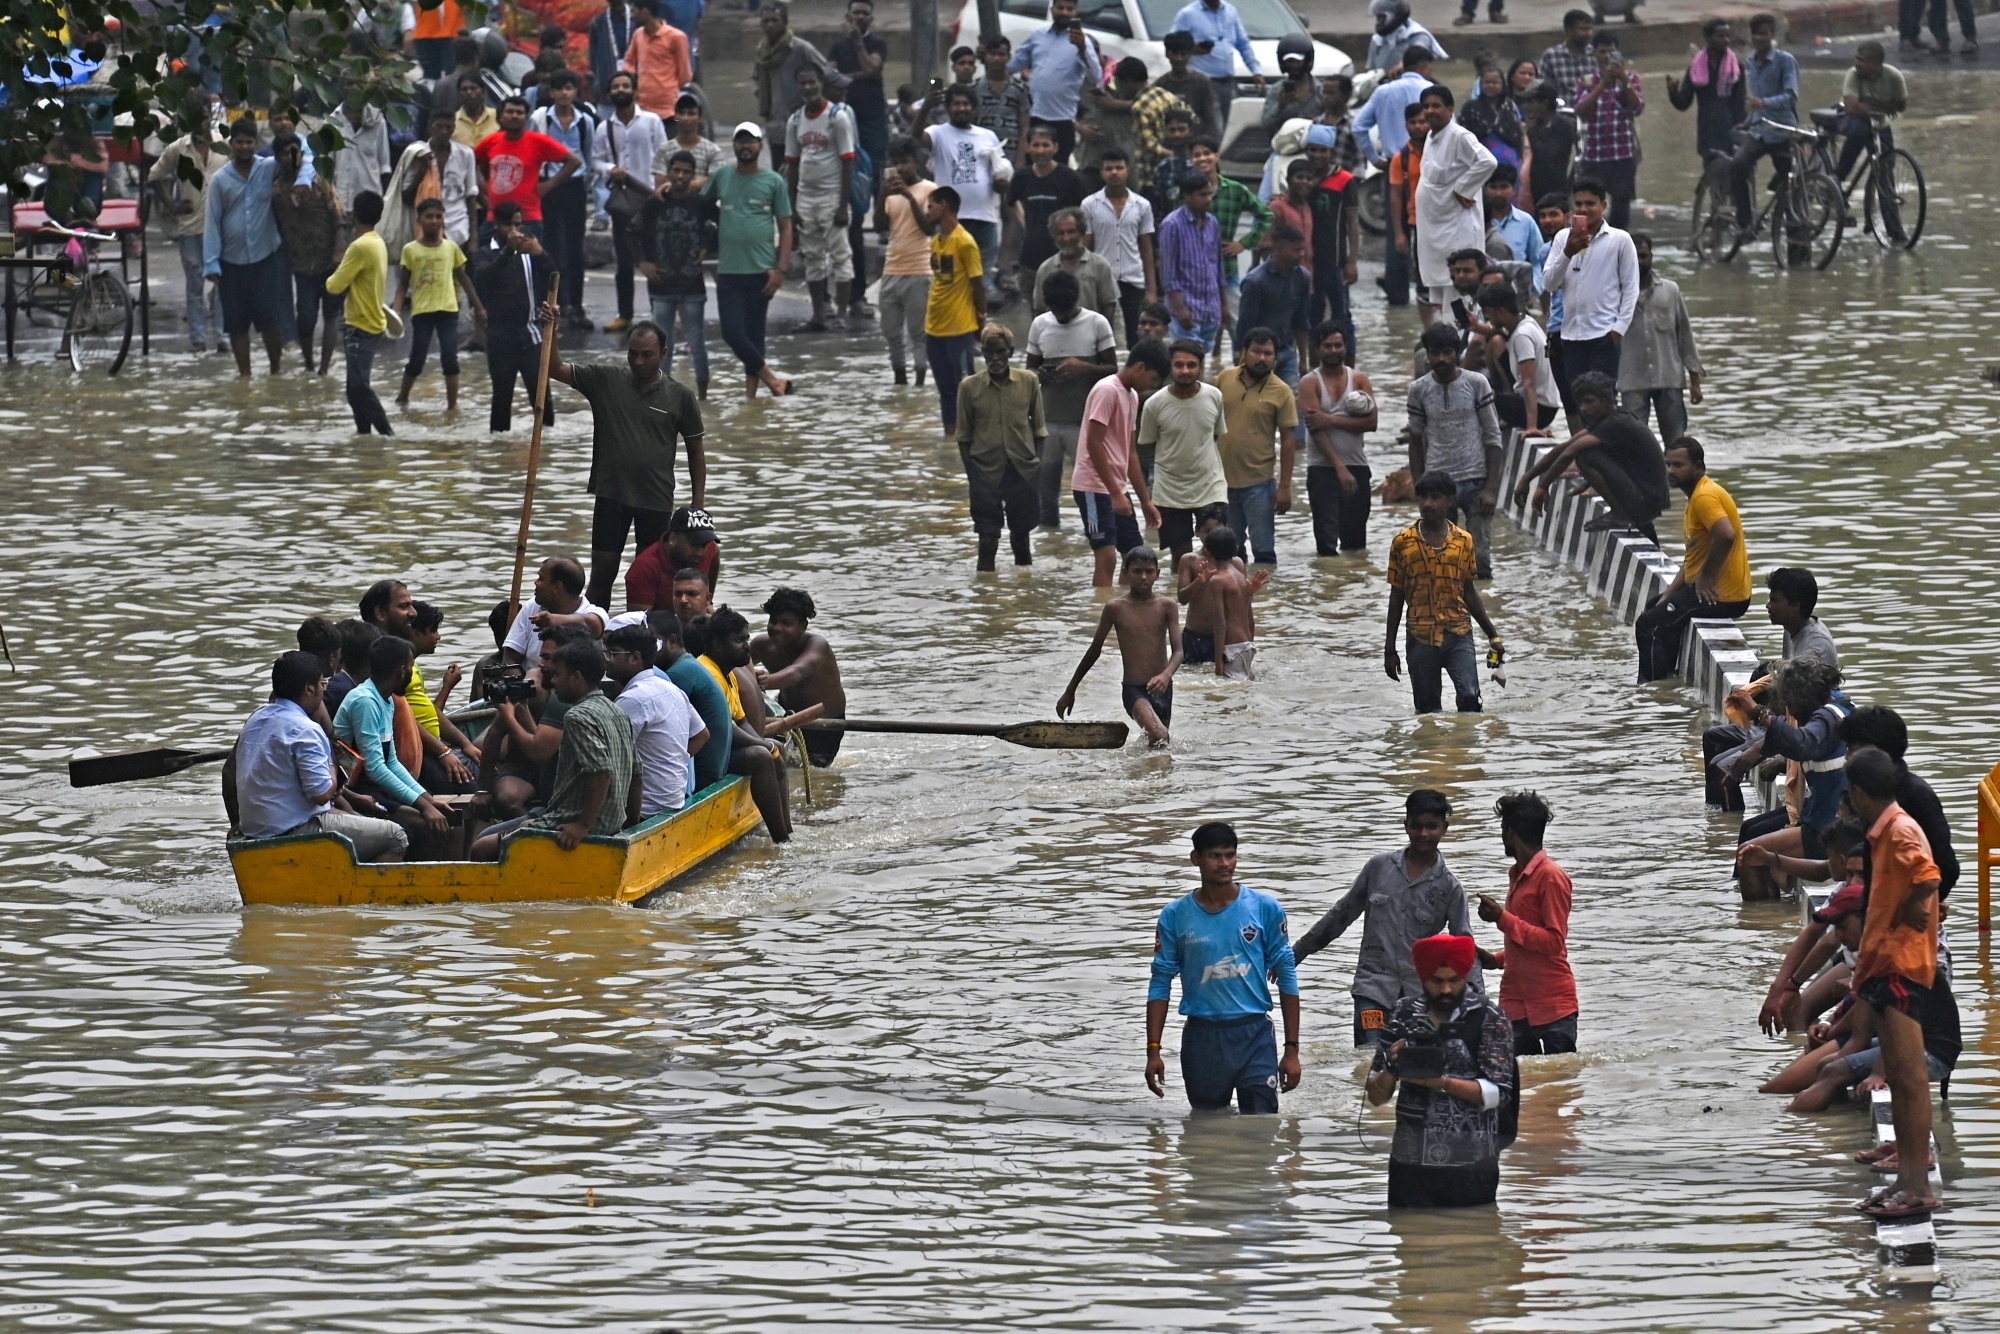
<point x="1792" y="131"/>
<point x="58" y="229"/>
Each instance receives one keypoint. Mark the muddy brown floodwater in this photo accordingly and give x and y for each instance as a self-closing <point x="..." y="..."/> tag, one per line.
<point x="890" y="1076"/>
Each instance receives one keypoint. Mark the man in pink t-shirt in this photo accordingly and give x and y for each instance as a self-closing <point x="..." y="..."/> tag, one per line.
<point x="1107" y="460"/>
<point x="511" y="161"/>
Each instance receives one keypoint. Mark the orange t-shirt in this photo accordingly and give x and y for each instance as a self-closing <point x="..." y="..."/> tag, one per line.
<point x="447" y="20"/>
<point x="409" y="737"/>
<point x="1899" y="857"/>
<point x="1415" y="173"/>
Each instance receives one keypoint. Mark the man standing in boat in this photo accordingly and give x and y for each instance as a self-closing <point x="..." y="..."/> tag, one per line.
<point x="800" y="666"/>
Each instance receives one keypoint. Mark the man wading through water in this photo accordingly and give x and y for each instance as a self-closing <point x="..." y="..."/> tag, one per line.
<point x="636" y="415"/>
<point x="1226" y="942"/>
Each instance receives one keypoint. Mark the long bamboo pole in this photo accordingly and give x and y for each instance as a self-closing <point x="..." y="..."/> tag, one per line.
<point x="534" y="454"/>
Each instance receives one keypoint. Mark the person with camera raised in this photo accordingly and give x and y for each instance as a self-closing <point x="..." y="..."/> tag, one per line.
<point x="1452" y="1053"/>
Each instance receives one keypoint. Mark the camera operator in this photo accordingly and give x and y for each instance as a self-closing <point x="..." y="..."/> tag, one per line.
<point x="1453" y="1054"/>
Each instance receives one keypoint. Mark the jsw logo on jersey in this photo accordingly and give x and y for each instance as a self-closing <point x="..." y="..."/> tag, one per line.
<point x="1225" y="971"/>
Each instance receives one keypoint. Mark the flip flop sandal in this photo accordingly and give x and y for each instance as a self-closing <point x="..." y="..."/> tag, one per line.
<point x="1888" y="1164"/>
<point x="1890" y="1205"/>
<point x="1873" y="1155"/>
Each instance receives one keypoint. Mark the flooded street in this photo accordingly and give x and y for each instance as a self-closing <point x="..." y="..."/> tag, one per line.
<point x="890" y="1077"/>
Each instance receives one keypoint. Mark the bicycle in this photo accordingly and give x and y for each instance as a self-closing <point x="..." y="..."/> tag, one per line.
<point x="90" y="305"/>
<point x="1805" y="214"/>
<point x="1895" y="198"/>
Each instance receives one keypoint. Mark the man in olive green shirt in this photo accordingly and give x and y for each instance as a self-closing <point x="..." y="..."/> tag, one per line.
<point x="1260" y="418"/>
<point x="1872" y="92"/>
<point x="597" y="789"/>
<point x="635" y="416"/>
<point x="1000" y="431"/>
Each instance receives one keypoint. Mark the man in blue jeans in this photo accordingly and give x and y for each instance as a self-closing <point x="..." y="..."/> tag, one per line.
<point x="670" y="245"/>
<point x="1226" y="942"/>
<point x="1191" y="263"/>
<point x="1260" y="425"/>
<point x="1431" y="572"/>
<point x="1454" y="428"/>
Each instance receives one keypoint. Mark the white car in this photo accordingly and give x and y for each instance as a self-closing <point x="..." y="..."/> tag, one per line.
<point x="1137" y="28"/>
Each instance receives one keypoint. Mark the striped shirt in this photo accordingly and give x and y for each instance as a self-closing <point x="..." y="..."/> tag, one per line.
<point x="1191" y="262"/>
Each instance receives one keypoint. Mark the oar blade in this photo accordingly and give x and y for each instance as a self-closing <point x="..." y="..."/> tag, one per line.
<point x="138" y="765"/>
<point x="1065" y="736"/>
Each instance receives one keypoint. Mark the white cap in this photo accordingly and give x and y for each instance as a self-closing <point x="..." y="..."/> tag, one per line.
<point x="749" y="127"/>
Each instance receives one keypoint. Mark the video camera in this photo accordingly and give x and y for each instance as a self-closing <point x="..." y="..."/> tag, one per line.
<point x="511" y="686"/>
<point x="1423" y="1055"/>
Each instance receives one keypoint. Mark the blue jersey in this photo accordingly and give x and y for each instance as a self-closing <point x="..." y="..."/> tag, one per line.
<point x="1223" y="958"/>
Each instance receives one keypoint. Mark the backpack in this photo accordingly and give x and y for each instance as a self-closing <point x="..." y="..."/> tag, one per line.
<point x="1510" y="1098"/>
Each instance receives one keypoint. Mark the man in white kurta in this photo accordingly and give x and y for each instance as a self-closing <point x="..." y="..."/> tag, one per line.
<point x="1450" y="191"/>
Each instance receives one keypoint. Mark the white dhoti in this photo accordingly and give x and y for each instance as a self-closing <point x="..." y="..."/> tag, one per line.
<point x="1455" y="167"/>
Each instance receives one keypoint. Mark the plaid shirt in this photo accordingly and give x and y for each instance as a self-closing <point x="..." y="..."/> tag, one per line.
<point x="1608" y="132"/>
<point x="1564" y="68"/>
<point x="1232" y="199"/>
<point x="1346" y="148"/>
<point x="1167" y="179"/>
<point x="1432" y="582"/>
<point x="1149" y="122"/>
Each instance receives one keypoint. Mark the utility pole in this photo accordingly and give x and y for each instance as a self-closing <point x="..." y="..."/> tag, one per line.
<point x="923" y="44"/>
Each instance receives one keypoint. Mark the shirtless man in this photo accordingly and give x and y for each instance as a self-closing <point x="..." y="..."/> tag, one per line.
<point x="800" y="666"/>
<point x="1150" y="657"/>
<point x="1227" y="592"/>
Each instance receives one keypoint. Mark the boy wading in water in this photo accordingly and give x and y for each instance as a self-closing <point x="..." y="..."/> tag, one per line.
<point x="433" y="273"/>
<point x="1225" y="589"/>
<point x="1149" y="642"/>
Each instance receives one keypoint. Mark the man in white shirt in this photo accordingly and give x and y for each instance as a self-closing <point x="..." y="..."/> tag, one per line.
<point x="970" y="160"/>
<point x="1534" y="401"/>
<point x="184" y="213"/>
<point x="1185" y="426"/>
<point x="1596" y="269"/>
<point x="558" y="600"/>
<point x="364" y="163"/>
<point x="456" y="177"/>
<point x="1071" y="349"/>
<point x="1119" y="226"/>
<point x="819" y="171"/>
<point x="666" y="730"/>
<point x="1451" y="194"/>
<point x="631" y="139"/>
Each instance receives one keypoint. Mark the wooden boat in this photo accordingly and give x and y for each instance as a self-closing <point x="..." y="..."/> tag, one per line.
<point x="319" y="870"/>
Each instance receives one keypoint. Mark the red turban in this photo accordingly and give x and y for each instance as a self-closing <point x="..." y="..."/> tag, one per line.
<point x="1434" y="952"/>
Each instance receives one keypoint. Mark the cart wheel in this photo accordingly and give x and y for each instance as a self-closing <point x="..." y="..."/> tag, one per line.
<point x="100" y="325"/>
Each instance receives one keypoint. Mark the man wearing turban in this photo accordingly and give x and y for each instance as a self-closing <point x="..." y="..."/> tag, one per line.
<point x="1449" y="1126"/>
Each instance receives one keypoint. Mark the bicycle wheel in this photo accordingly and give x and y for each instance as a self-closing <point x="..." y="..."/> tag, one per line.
<point x="1896" y="207"/>
<point x="1714" y="220"/>
<point x="1373" y="210"/>
<point x="100" y="325"/>
<point x="1806" y="223"/>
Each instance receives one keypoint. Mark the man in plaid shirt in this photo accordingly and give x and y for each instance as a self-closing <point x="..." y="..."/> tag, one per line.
<point x="1431" y="572"/>
<point x="1607" y="104"/>
<point x="1232" y="200"/>
<point x="1572" y="60"/>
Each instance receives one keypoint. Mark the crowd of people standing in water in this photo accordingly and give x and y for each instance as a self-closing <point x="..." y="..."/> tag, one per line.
<point x="1094" y="196"/>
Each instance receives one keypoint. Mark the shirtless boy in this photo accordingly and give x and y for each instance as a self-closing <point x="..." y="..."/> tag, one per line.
<point x="1204" y="635"/>
<point x="1150" y="656"/>
<point x="1227" y="591"/>
<point x="800" y="666"/>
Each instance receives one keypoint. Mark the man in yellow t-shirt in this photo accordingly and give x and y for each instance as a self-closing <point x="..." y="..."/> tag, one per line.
<point x="1714" y="579"/>
<point x="957" y="305"/>
<point x="363" y="274"/>
<point x="433" y="266"/>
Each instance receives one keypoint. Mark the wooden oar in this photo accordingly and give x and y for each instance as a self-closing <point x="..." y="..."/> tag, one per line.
<point x="98" y="770"/>
<point x="784" y="723"/>
<point x="1036" y="736"/>
<point x="534" y="458"/>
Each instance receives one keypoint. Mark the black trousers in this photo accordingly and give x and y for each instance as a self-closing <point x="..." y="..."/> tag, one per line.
<point x="1131" y="299"/>
<point x="625" y="244"/>
<point x="1621" y="178"/>
<point x="507" y="358"/>
<point x="1063" y="132"/>
<point x="562" y="232"/>
<point x="1744" y="164"/>
<point x="1415" y="1186"/>
<point x="1663" y="625"/>
<point x="1340" y="521"/>
<point x="1723" y="792"/>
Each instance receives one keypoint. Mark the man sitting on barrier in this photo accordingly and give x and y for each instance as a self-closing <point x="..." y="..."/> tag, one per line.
<point x="1794" y="594"/>
<point x="1714" y="579"/>
<point x="1807" y="733"/>
<point x="1616" y="454"/>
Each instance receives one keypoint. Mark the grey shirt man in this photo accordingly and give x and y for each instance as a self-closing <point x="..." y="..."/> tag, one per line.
<point x="1094" y="275"/>
<point x="1658" y="351"/>
<point x="1400" y="912"/>
<point x="1456" y="422"/>
<point x="1813" y="643"/>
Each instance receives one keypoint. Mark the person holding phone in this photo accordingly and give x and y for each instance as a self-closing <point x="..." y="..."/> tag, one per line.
<point x="1061" y="60"/>
<point x="1451" y="1126"/>
<point x="1607" y="105"/>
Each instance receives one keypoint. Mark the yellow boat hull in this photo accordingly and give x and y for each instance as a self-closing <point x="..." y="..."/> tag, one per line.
<point x="319" y="870"/>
